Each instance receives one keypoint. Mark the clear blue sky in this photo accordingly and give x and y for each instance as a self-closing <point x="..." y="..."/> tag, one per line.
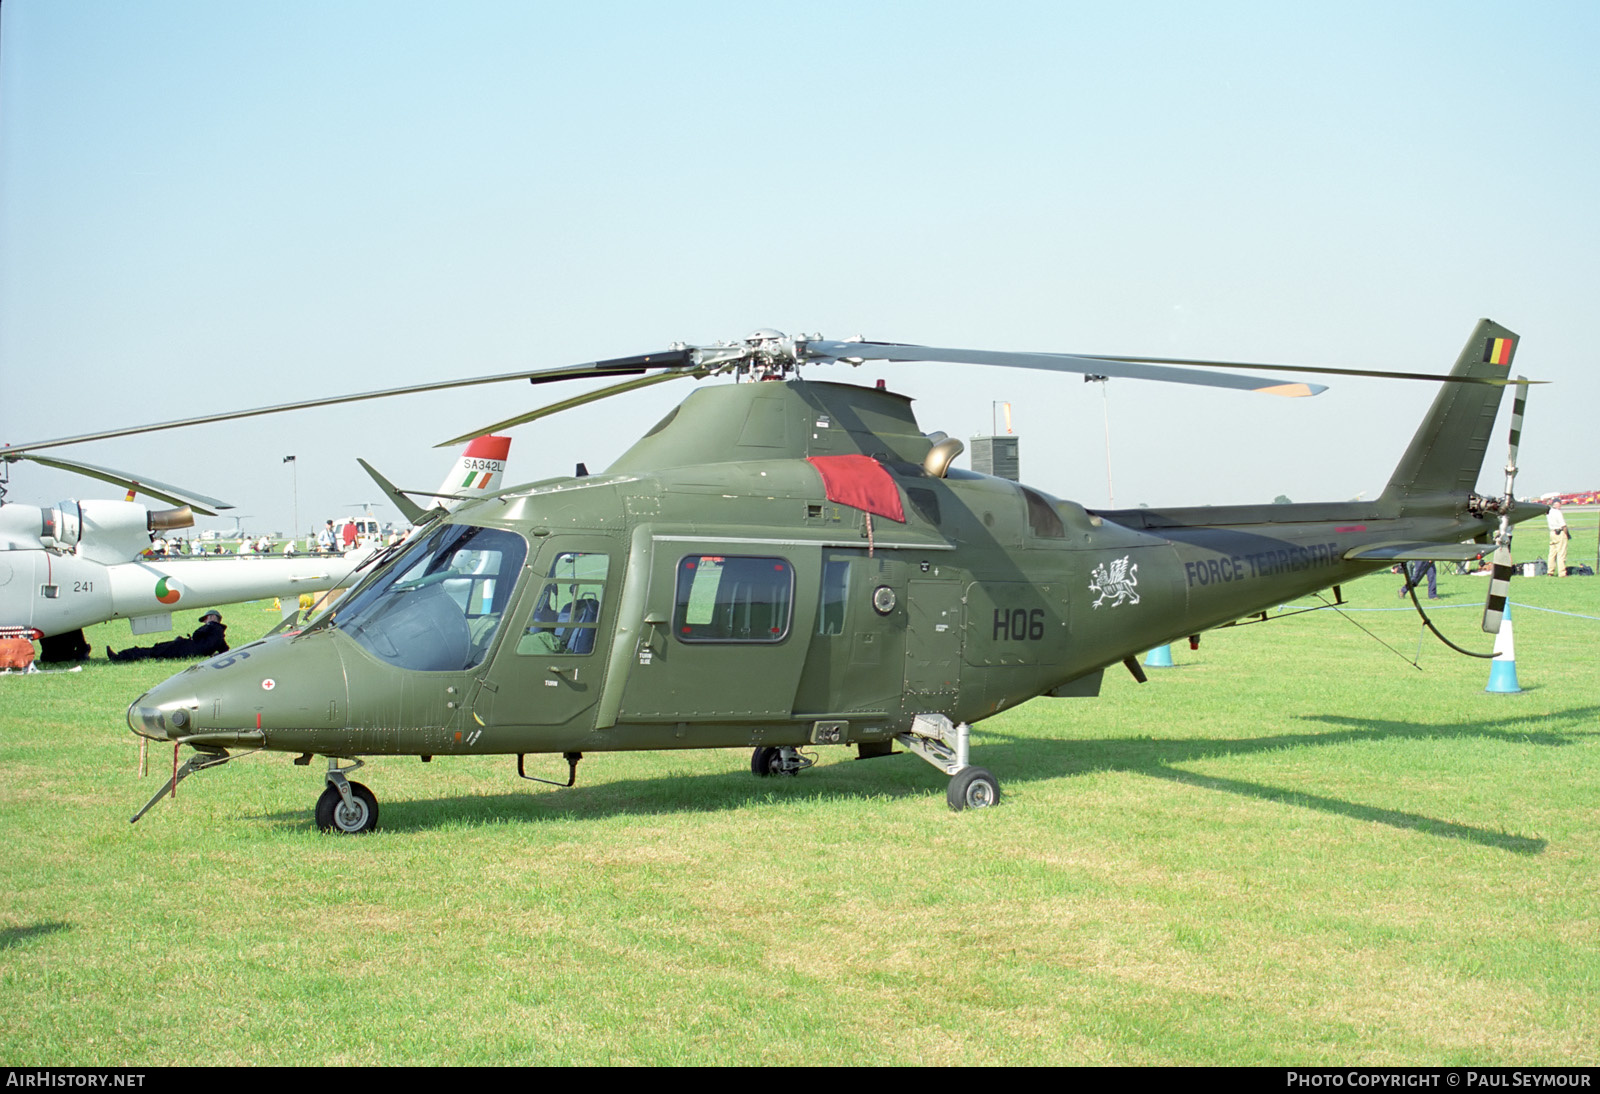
<point x="206" y="206"/>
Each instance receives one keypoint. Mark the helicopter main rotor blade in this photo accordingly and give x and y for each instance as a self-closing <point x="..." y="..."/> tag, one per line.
<point x="576" y="400"/>
<point x="1059" y="362"/>
<point x="1108" y="365"/>
<point x="772" y="353"/>
<point x="1329" y="370"/>
<point x="619" y="366"/>
<point x="173" y="495"/>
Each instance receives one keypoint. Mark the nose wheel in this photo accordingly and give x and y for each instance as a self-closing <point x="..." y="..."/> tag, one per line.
<point x="346" y="806"/>
<point x="972" y="788"/>
<point x="946" y="746"/>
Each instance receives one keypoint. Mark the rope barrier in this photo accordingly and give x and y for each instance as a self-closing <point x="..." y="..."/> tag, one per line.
<point x="1553" y="611"/>
<point x="1443" y="608"/>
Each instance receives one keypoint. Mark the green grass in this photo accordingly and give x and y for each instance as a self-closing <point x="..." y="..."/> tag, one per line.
<point x="1292" y="847"/>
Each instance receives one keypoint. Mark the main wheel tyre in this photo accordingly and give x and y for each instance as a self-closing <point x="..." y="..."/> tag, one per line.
<point x="972" y="788"/>
<point x="768" y="760"/>
<point x="359" y="817"/>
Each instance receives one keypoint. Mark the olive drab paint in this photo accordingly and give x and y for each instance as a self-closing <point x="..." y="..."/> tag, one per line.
<point x="704" y="592"/>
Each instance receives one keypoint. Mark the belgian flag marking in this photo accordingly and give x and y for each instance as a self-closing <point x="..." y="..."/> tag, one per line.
<point x="1498" y="351"/>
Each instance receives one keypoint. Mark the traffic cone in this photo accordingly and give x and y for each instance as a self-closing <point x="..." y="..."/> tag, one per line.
<point x="1159" y="658"/>
<point x="1503" y="669"/>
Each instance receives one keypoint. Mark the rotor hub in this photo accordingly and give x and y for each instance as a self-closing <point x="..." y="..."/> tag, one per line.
<point x="762" y="354"/>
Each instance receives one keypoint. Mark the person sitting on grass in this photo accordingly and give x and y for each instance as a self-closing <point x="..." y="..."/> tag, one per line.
<point x="209" y="639"/>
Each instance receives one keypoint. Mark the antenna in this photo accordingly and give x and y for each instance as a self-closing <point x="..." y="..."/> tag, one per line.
<point x="294" y="471"/>
<point x="1105" y="398"/>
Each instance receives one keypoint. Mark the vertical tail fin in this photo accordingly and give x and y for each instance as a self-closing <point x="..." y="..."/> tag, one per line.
<point x="477" y="473"/>
<point x="1446" y="454"/>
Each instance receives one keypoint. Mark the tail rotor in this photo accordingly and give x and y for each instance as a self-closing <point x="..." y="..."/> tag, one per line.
<point x="1494" y="608"/>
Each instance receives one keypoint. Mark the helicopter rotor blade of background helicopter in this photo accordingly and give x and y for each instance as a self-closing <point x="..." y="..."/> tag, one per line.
<point x="173" y="495"/>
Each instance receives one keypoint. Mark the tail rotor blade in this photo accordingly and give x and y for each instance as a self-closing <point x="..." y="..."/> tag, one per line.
<point x="1494" y="608"/>
<point x="1518" y="406"/>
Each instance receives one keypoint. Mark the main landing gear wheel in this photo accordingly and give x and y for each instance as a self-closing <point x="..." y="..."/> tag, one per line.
<point x="359" y="817"/>
<point x="777" y="760"/>
<point x="972" y="788"/>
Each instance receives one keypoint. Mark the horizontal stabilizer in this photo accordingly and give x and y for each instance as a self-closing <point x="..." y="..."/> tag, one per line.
<point x="410" y="509"/>
<point x="1418" y="551"/>
<point x="439" y="494"/>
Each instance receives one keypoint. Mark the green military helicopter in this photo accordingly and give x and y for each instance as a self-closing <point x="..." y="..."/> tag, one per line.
<point x="784" y="564"/>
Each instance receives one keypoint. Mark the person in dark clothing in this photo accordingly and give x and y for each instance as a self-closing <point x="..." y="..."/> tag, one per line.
<point x="209" y="639"/>
<point x="72" y="646"/>
<point x="1416" y="571"/>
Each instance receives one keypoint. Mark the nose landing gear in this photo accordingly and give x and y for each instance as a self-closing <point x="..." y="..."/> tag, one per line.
<point x="346" y="806"/>
<point x="946" y="747"/>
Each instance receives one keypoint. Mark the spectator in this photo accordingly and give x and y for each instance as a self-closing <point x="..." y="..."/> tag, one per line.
<point x="209" y="639"/>
<point x="1559" y="534"/>
<point x="1425" y="568"/>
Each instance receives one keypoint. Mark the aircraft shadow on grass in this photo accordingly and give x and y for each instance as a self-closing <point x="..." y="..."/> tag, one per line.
<point x="1156" y="758"/>
<point x="1021" y="758"/>
<point x="12" y="937"/>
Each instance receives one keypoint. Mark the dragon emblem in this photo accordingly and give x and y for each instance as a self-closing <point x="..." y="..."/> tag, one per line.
<point x="1119" y="583"/>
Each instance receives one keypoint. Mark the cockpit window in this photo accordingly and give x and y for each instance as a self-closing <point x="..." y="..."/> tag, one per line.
<point x="438" y="605"/>
<point x="566" y="616"/>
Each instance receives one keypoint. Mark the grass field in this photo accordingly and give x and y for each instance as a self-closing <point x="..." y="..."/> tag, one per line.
<point x="1293" y="847"/>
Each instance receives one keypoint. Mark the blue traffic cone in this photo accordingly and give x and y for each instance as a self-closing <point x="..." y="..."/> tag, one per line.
<point x="1503" y="669"/>
<point x="1159" y="658"/>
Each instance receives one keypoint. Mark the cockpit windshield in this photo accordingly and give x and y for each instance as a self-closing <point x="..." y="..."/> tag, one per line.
<point x="437" y="605"/>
